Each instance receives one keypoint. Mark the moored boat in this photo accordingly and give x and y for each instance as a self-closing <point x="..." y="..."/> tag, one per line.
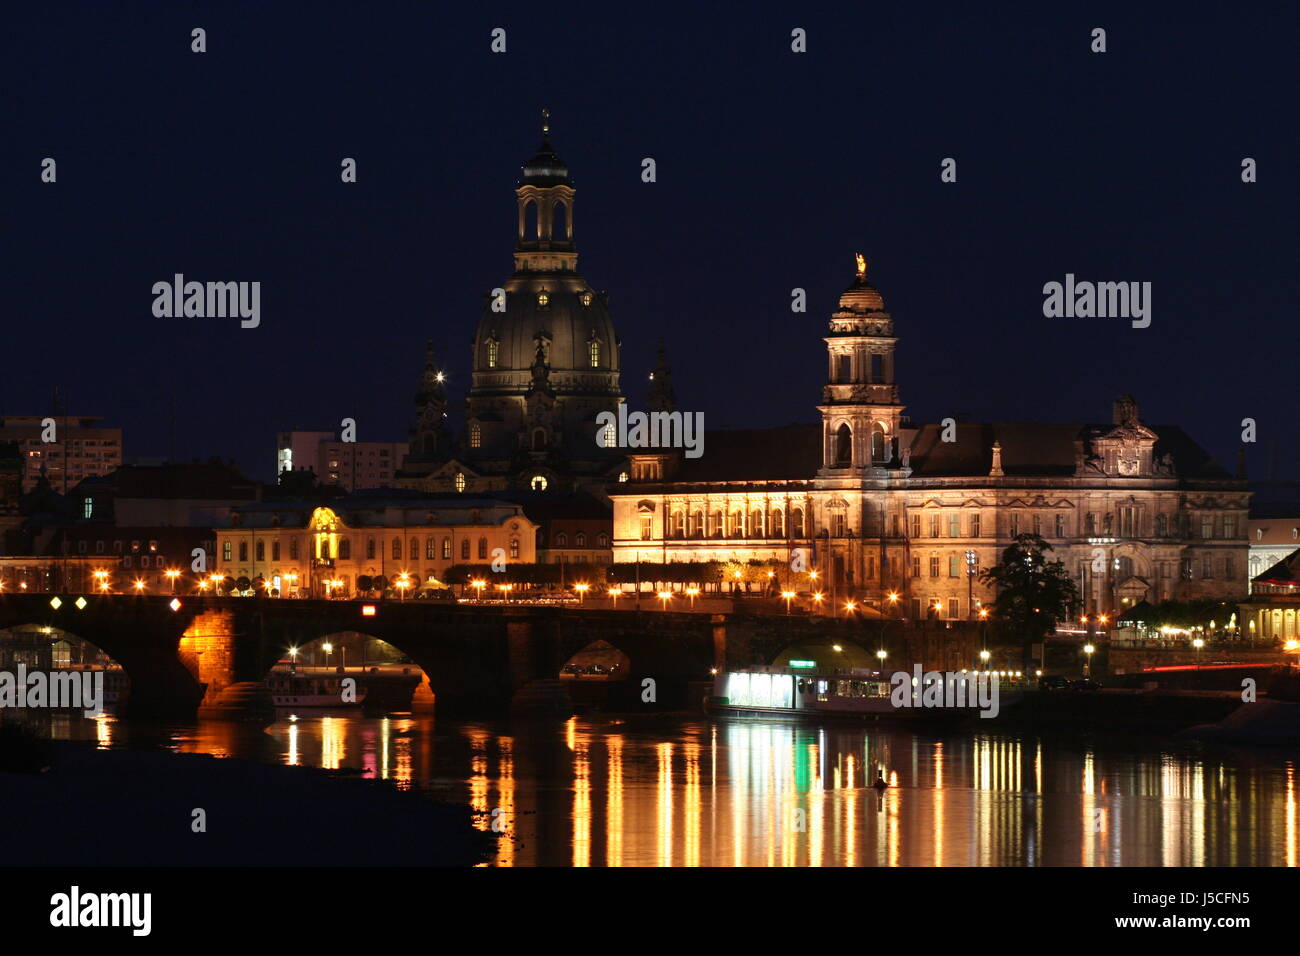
<point x="302" y="690"/>
<point x="799" y="693"/>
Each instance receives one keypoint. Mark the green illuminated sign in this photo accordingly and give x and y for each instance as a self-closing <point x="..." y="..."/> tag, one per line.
<point x="803" y="663"/>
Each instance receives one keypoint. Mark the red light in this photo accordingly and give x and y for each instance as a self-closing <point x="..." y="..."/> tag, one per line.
<point x="367" y="610"/>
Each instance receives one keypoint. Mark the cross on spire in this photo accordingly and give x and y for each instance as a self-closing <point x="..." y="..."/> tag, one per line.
<point x="546" y="123"/>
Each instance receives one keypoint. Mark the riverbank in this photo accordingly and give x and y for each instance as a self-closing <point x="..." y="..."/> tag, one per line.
<point x="94" y="807"/>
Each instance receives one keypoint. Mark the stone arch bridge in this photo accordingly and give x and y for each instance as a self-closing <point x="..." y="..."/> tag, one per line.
<point x="476" y="657"/>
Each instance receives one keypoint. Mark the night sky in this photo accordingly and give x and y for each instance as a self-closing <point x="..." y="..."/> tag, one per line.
<point x="774" y="168"/>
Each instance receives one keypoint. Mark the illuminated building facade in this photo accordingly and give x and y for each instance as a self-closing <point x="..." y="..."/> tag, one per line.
<point x="898" y="515"/>
<point x="298" y="550"/>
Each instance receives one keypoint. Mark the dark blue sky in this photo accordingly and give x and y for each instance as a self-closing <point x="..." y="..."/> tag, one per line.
<point x="773" y="169"/>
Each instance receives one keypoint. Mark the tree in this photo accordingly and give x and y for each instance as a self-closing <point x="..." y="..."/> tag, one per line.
<point x="1033" y="593"/>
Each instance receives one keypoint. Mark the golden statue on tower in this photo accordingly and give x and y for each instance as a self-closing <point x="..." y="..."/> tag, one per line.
<point x="862" y="266"/>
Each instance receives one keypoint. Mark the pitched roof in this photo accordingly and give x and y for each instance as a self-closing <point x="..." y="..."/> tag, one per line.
<point x="1036" y="449"/>
<point x="791" y="452"/>
<point x="1286" y="571"/>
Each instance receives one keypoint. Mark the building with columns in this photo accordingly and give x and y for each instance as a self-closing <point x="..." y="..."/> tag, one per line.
<point x="898" y="515"/>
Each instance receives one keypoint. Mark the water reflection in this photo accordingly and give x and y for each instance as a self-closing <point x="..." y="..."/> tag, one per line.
<point x="694" y="792"/>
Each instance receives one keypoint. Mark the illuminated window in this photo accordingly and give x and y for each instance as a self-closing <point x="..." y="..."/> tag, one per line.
<point x="543" y="299"/>
<point x="225" y="551"/>
<point x="430" y="548"/>
<point x="622" y="476"/>
<point x="514" y="547"/>
<point x="88" y="507"/>
<point x="482" y="548"/>
<point x="610" y="438"/>
<point x="538" y="483"/>
<point x="647" y="527"/>
<point x="593" y="349"/>
<point x="460" y="481"/>
<point x="475" y="435"/>
<point x="493" y="352"/>
<point x="446" y="549"/>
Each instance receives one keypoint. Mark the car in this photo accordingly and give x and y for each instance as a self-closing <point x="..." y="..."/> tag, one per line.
<point x="1085" y="683"/>
<point x="1053" y="682"/>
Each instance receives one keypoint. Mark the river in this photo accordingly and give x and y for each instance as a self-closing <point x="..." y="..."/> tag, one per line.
<point x="681" y="791"/>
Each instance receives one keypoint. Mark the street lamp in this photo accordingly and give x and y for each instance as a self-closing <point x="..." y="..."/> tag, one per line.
<point x="1087" y="660"/>
<point x="139" y="586"/>
<point x="293" y="660"/>
<point x="505" y="589"/>
<point x="849" y="608"/>
<point x="788" y="595"/>
<point x="328" y="648"/>
<point x="1198" y="644"/>
<point x="893" y="601"/>
<point x="882" y="654"/>
<point x="693" y="592"/>
<point x="664" y="598"/>
<point x="614" y="595"/>
<point x="478" y="584"/>
<point x="172" y="575"/>
<point x="984" y="657"/>
<point x="403" y="582"/>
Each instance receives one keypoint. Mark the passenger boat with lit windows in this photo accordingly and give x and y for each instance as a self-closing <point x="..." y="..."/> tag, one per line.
<point x="311" y="691"/>
<point x="803" y="693"/>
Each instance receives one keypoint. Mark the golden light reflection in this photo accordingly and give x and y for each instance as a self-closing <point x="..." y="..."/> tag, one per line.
<point x="614" y="822"/>
<point x="581" y="806"/>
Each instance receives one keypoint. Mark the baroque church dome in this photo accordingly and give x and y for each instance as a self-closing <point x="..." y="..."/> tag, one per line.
<point x="545" y="314"/>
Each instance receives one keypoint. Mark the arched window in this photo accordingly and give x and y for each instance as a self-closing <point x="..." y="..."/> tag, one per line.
<point x="261" y="550"/>
<point x="514" y="548"/>
<point x="539" y="439"/>
<point x="531" y="223"/>
<point x="610" y="438"/>
<point x="397" y="549"/>
<point x="430" y="548"/>
<point x="460" y="481"/>
<point x="697" y="522"/>
<point x="475" y="435"/>
<point x="622" y="476"/>
<point x="679" y="524"/>
<point x="243" y="551"/>
<point x="493" y="352"/>
<point x="843" y="447"/>
<point x="593" y="351"/>
<point x="715" y="525"/>
<point x="796" y="523"/>
<point x="878" y="442"/>
<point x="345" y="549"/>
<point x="561" y="540"/>
<point x="756" y="524"/>
<point x="482" y="549"/>
<point x="538" y="483"/>
<point x="602" y="540"/>
<point x="778" y="523"/>
<point x="370" y="549"/>
<point x="737" y="524"/>
<point x="414" y="551"/>
<point x="580" y="540"/>
<point x="464" y="549"/>
<point x="559" y="221"/>
<point x="446" y="549"/>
